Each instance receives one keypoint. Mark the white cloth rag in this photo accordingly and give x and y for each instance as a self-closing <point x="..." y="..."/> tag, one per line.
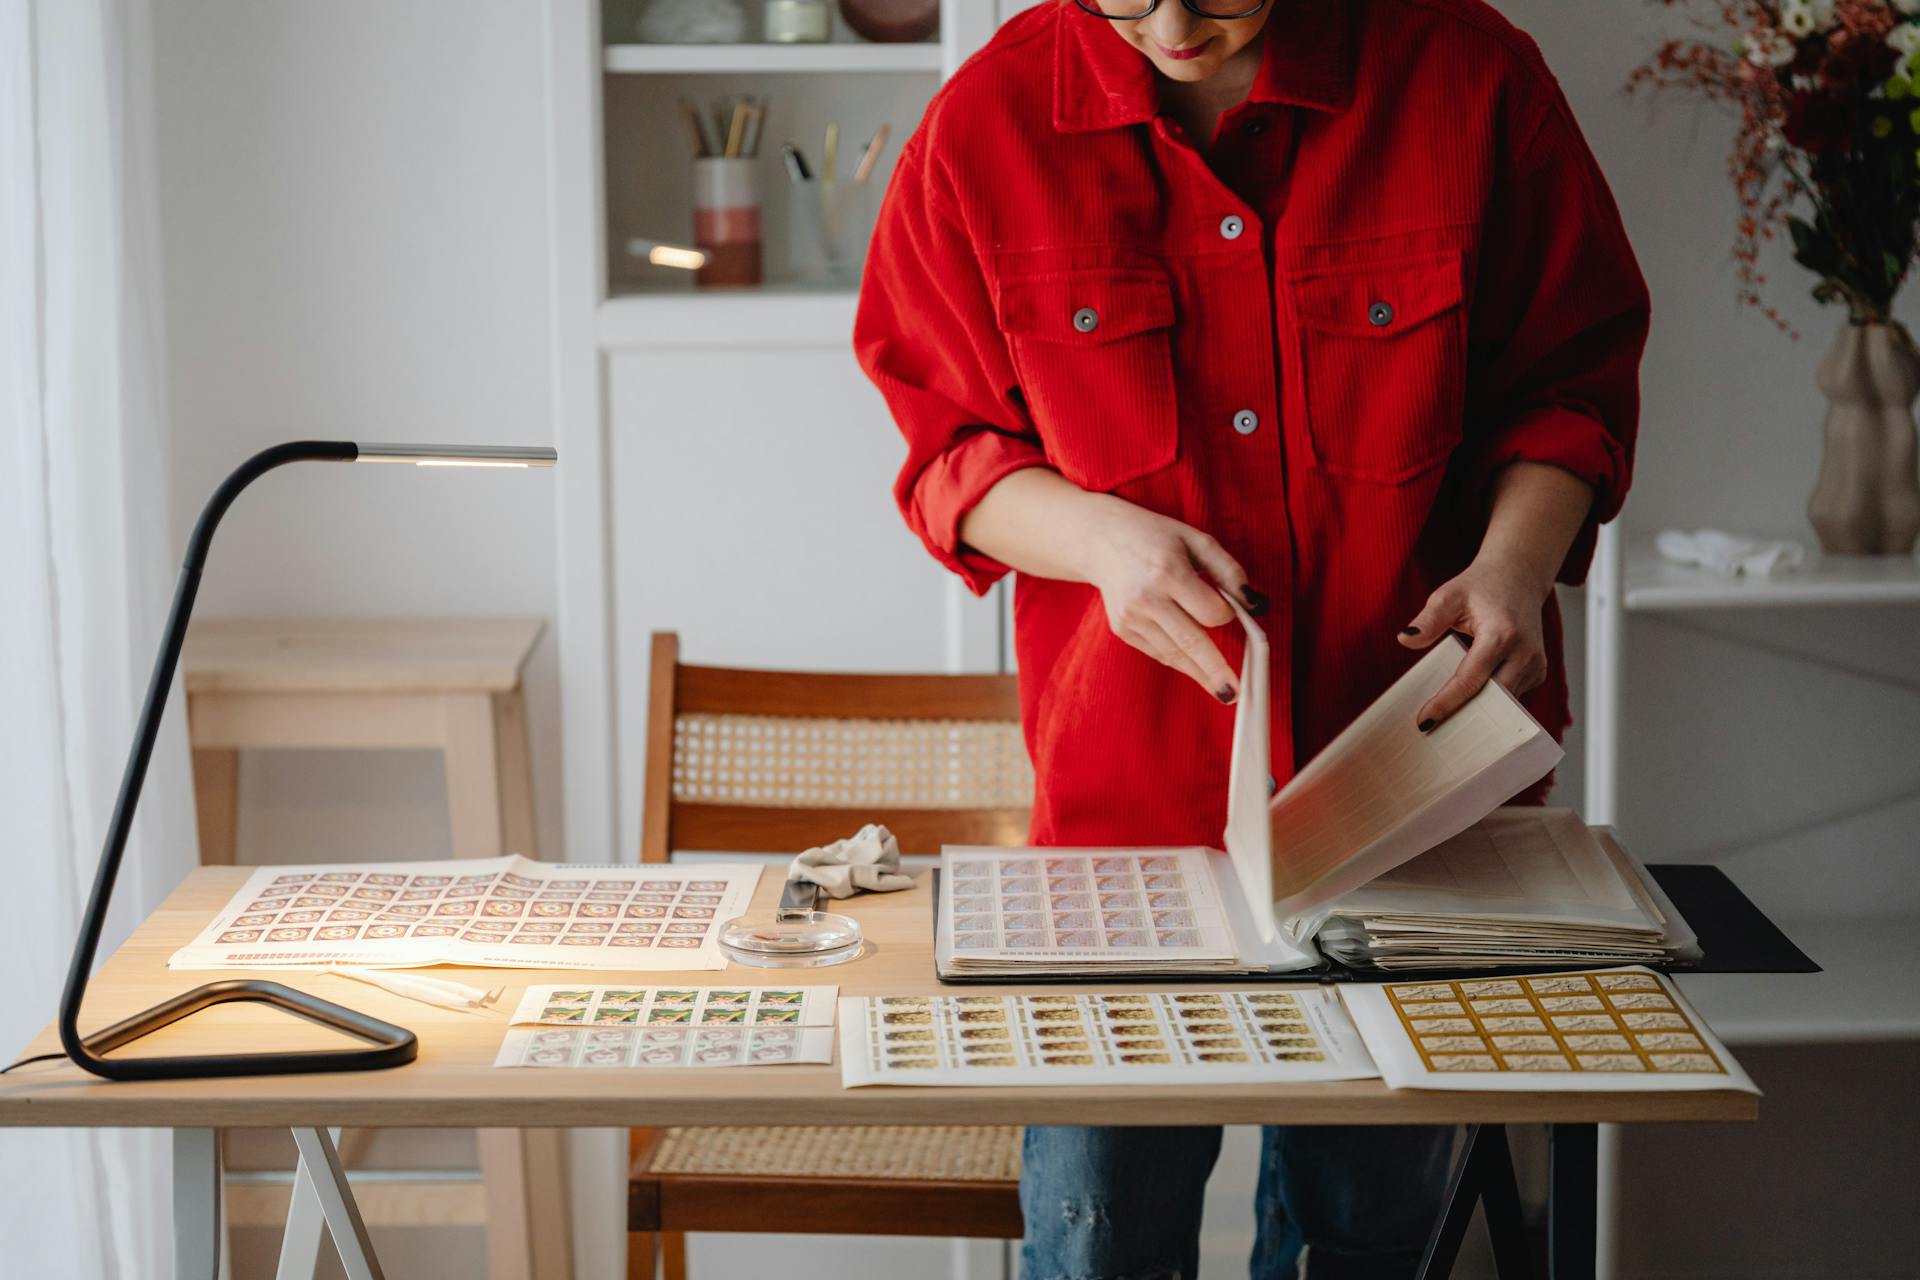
<point x="868" y="859"/>
<point x="1731" y="555"/>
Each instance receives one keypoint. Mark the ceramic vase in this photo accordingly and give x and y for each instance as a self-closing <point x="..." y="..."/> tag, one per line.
<point x="1867" y="499"/>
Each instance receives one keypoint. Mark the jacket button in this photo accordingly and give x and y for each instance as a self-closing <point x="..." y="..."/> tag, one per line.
<point x="1231" y="226"/>
<point x="1256" y="126"/>
<point x="1246" y="421"/>
<point x="1379" y="315"/>
<point x="1086" y="319"/>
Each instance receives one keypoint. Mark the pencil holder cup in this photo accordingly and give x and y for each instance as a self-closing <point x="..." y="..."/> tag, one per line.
<point x="726" y="220"/>
<point x="829" y="227"/>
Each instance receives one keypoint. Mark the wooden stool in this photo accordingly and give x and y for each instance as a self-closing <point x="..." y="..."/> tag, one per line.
<point x="446" y="684"/>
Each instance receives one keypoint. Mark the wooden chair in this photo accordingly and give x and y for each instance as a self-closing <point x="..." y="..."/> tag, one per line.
<point x="451" y="685"/>
<point x="777" y="762"/>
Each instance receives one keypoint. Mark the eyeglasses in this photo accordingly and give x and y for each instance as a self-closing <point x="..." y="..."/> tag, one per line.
<point x="1134" y="10"/>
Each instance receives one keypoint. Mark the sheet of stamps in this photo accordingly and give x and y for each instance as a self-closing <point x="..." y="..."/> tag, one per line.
<point x="1100" y="1038"/>
<point x="599" y="1048"/>
<point x="1611" y="1029"/>
<point x="583" y="1006"/>
<point x="505" y="912"/>
<point x="1052" y="904"/>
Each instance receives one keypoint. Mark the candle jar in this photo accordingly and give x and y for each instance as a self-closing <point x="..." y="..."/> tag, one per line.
<point x="798" y="21"/>
<point x="726" y="220"/>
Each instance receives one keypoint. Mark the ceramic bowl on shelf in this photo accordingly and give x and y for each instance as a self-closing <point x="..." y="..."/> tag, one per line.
<point x="693" y="22"/>
<point x="892" y="21"/>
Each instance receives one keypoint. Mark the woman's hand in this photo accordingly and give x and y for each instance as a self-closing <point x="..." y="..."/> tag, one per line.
<point x="1148" y="569"/>
<point x="1155" y="576"/>
<point x="1535" y="513"/>
<point x="1496" y="604"/>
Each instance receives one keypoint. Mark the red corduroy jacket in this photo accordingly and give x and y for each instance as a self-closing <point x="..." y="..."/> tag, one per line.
<point x="1399" y="270"/>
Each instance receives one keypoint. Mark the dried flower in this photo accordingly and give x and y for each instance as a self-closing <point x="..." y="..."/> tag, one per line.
<point x="1811" y="82"/>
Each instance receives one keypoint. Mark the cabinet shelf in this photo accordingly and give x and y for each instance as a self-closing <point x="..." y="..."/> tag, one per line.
<point x="1652" y="583"/>
<point x="748" y="59"/>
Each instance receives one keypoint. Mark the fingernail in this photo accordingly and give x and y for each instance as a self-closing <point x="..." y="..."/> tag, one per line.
<point x="1256" y="603"/>
<point x="1226" y="694"/>
<point x="1426" y="725"/>
<point x="1409" y="631"/>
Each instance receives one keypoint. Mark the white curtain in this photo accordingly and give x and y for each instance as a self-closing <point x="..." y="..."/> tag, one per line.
<point x="87" y="553"/>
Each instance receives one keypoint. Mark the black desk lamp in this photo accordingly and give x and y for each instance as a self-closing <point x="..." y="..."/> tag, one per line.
<point x="388" y="1045"/>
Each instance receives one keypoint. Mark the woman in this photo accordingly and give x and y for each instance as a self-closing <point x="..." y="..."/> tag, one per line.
<point x="1320" y="302"/>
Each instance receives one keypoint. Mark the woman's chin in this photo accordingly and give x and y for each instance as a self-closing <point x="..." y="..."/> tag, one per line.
<point x="1187" y="70"/>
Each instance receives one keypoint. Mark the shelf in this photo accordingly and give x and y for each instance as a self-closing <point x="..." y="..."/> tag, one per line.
<point x="769" y="317"/>
<point x="1653" y="583"/>
<point x="1867" y="991"/>
<point x="725" y="59"/>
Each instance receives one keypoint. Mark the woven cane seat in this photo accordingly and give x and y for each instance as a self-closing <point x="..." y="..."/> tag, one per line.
<point x="933" y="1153"/>
<point x="803" y="762"/>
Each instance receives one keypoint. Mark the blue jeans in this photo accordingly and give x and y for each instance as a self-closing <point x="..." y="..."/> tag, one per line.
<point x="1333" y="1202"/>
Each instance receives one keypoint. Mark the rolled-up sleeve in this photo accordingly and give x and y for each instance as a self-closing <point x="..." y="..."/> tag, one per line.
<point x="1560" y="319"/>
<point x="927" y="336"/>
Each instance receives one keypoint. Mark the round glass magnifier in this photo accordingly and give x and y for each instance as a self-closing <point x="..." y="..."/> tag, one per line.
<point x="795" y="936"/>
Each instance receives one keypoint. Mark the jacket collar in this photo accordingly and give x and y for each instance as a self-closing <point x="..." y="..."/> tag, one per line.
<point x="1102" y="82"/>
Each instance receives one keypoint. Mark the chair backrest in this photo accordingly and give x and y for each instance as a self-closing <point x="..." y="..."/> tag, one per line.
<point x="748" y="761"/>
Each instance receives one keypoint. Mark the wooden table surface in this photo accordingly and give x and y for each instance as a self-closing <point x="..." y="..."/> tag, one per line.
<point x="453" y="1083"/>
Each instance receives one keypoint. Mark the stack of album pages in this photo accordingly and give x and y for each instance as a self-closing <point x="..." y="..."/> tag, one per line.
<point x="1388" y="851"/>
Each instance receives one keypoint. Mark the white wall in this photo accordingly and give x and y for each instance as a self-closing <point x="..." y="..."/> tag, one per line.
<point x="354" y="229"/>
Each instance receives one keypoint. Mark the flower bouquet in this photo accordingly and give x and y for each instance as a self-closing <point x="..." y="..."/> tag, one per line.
<point x="1828" y="150"/>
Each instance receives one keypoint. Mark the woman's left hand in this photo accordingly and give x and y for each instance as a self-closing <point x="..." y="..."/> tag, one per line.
<point x="1496" y="605"/>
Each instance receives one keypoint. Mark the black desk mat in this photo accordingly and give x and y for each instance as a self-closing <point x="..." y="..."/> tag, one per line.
<point x="1735" y="937"/>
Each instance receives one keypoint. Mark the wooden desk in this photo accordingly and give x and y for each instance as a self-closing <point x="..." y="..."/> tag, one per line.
<point x="452" y="1082"/>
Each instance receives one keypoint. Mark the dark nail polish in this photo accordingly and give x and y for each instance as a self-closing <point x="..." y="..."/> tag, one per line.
<point x="1426" y="725"/>
<point x="1409" y="631"/>
<point x="1225" y="693"/>
<point x="1256" y="602"/>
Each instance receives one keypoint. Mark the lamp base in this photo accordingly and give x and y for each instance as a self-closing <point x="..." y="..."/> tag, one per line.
<point x="388" y="1045"/>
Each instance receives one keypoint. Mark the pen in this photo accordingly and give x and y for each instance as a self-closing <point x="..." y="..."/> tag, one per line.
<point x="756" y="116"/>
<point x="709" y="146"/>
<point x="871" y="156"/>
<point x="796" y="163"/>
<point x="737" y="130"/>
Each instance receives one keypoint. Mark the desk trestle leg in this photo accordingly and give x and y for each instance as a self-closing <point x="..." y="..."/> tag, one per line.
<point x="1482" y="1173"/>
<point x="300" y="1242"/>
<point x="321" y="1175"/>
<point x="196" y="1204"/>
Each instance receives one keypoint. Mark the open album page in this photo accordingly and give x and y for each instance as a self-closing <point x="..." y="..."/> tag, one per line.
<point x="1013" y="910"/>
<point x="1382" y="791"/>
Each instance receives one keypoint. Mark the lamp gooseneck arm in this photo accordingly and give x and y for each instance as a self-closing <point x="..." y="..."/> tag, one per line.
<point x="88" y="945"/>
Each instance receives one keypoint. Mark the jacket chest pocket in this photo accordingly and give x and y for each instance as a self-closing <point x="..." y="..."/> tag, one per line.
<point x="1094" y="354"/>
<point x="1382" y="365"/>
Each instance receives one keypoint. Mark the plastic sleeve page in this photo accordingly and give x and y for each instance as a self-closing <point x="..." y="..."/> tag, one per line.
<point x="1542" y="865"/>
<point x="1382" y="791"/>
<point x="1622" y="1030"/>
<point x="1084" y="1038"/>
